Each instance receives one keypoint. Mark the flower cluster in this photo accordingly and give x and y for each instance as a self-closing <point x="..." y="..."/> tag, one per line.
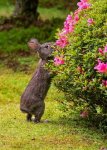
<point x="70" y="24"/>
<point x="101" y="67"/>
<point x="62" y="42"/>
<point x="83" y="4"/>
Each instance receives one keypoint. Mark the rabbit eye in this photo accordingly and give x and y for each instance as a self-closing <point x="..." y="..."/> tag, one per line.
<point x="46" y="46"/>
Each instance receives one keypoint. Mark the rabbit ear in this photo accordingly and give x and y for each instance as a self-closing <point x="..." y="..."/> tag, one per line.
<point x="34" y="40"/>
<point x="34" y="44"/>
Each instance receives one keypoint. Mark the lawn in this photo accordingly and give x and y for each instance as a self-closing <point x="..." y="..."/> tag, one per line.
<point x="59" y="133"/>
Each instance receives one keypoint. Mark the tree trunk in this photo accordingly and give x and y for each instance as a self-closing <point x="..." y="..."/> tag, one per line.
<point x="26" y="9"/>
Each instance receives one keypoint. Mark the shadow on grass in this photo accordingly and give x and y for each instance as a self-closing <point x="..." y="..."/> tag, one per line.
<point x="80" y="126"/>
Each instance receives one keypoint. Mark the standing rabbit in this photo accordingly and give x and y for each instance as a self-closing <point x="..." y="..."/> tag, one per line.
<point x="32" y="100"/>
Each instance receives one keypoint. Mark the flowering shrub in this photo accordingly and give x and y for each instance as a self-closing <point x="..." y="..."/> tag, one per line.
<point x="83" y="45"/>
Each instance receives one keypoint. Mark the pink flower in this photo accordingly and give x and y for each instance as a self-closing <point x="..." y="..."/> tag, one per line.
<point x="69" y="18"/>
<point x="76" y="18"/>
<point x="90" y="21"/>
<point x="101" y="67"/>
<point x="99" y="61"/>
<point x="101" y="51"/>
<point x="66" y="27"/>
<point x="105" y="49"/>
<point x="62" y="42"/>
<point x="83" y="4"/>
<point x="69" y="24"/>
<point x="77" y="12"/>
<point x="71" y="28"/>
<point x="84" y="1"/>
<point x="104" y="83"/>
<point x="62" y="33"/>
<point x="58" y="61"/>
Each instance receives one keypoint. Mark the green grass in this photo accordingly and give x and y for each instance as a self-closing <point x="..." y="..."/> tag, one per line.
<point x="49" y="13"/>
<point x="6" y="11"/>
<point x="6" y="8"/>
<point x="58" y="134"/>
